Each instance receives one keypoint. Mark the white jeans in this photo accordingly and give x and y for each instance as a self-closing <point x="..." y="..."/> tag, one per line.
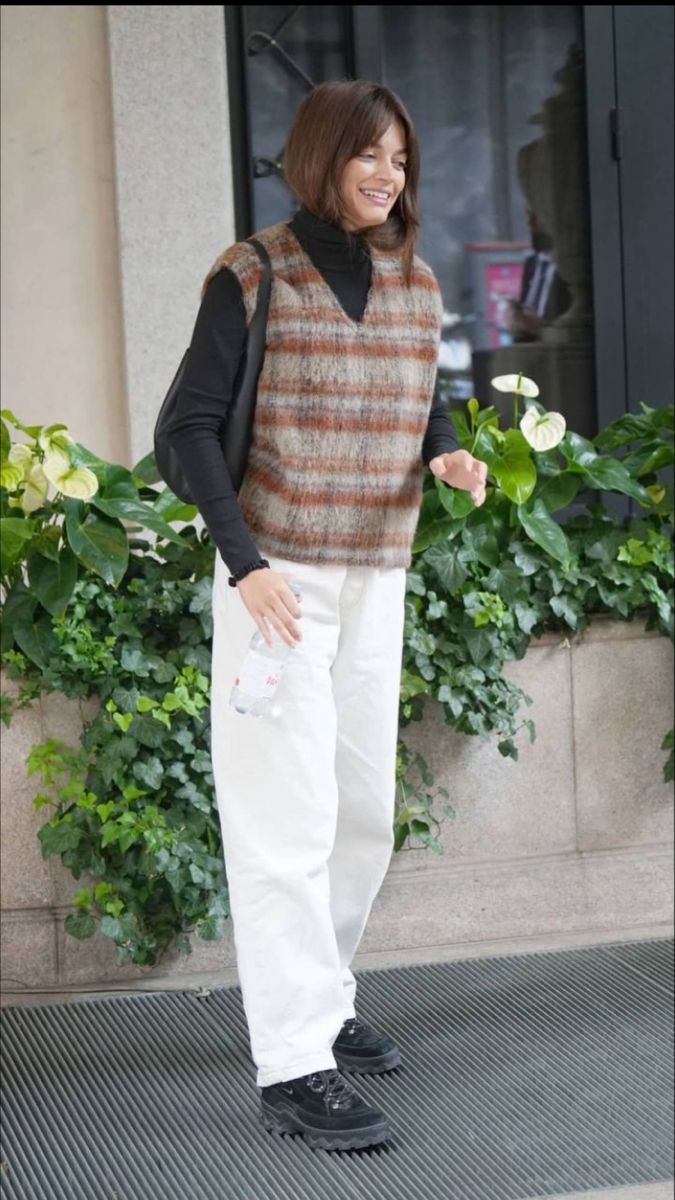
<point x="306" y="803"/>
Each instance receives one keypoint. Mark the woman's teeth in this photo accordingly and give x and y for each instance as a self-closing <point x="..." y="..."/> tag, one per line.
<point x="380" y="198"/>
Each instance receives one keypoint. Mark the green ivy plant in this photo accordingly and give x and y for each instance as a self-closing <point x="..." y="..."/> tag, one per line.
<point x="92" y="609"/>
<point x="484" y="581"/>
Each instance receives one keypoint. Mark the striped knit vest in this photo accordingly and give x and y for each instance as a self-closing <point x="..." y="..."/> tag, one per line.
<point x="335" y="470"/>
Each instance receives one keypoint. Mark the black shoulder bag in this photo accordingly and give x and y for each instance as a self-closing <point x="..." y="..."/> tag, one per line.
<point x="237" y="426"/>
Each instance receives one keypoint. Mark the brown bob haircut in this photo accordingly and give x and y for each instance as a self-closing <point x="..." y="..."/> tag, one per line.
<point x="336" y="121"/>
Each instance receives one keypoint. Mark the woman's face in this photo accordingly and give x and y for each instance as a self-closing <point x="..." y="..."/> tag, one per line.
<point x="379" y="168"/>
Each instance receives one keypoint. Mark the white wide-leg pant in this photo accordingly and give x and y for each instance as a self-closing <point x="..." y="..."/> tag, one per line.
<point x="306" y="803"/>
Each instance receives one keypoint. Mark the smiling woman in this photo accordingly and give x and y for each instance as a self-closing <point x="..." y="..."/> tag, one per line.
<point x="374" y="180"/>
<point x="375" y="148"/>
<point x="330" y="500"/>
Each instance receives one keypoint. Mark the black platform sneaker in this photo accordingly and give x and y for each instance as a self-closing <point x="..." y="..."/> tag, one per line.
<point x="326" y="1109"/>
<point x="361" y="1049"/>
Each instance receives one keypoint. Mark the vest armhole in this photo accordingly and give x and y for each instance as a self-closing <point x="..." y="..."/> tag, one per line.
<point x="243" y="261"/>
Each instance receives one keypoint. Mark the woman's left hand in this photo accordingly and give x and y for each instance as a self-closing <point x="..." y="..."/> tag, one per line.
<point x="461" y="470"/>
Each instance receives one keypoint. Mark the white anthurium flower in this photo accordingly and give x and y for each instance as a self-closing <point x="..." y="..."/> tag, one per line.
<point x="543" y="431"/>
<point x="35" y="491"/>
<point x="56" y="463"/>
<point x="57" y="439"/>
<point x="21" y="455"/>
<point x="509" y="383"/>
<point x="77" y="482"/>
<point x="11" y="475"/>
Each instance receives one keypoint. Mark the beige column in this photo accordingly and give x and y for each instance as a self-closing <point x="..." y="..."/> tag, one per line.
<point x="62" y="344"/>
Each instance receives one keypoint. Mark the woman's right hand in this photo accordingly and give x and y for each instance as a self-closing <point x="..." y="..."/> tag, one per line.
<point x="269" y="600"/>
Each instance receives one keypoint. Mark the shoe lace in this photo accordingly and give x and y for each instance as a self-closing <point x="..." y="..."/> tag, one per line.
<point x="338" y="1089"/>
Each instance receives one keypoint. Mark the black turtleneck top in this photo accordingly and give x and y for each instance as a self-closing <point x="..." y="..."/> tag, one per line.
<point x="218" y="341"/>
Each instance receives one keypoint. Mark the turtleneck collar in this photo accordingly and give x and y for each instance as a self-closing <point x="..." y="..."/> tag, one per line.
<point x="331" y="246"/>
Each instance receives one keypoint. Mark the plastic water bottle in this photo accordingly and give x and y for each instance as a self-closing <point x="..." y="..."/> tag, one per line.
<point x="261" y="671"/>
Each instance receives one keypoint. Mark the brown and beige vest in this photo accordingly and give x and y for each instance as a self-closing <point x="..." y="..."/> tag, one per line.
<point x="335" y="468"/>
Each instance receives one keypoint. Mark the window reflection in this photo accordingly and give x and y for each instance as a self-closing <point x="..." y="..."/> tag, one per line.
<point x="498" y="99"/>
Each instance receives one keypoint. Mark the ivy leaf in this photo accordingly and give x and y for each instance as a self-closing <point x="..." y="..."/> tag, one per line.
<point x="80" y="925"/>
<point x="110" y="927"/>
<point x="211" y="929"/>
<point x="449" y="565"/>
<point x="562" y="607"/>
<point x="148" y="731"/>
<point x="163" y="671"/>
<point x="54" y="839"/>
<point x="190" y="792"/>
<point x="115" y="756"/>
<point x="201" y="597"/>
<point x="183" y="944"/>
<point x="201" y="762"/>
<point x="526" y="616"/>
<point x="135" y="662"/>
<point x="485" y="545"/>
<point x="447" y="696"/>
<point x="178" y="771"/>
<point x="479" y="644"/>
<point x="526" y="558"/>
<point x="184" y="737"/>
<point x="415" y="583"/>
<point x="150" y="772"/>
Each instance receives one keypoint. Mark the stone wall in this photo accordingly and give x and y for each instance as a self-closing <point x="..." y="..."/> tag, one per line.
<point x="574" y="838"/>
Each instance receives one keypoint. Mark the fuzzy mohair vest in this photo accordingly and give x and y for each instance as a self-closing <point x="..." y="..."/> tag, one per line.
<point x="335" y="470"/>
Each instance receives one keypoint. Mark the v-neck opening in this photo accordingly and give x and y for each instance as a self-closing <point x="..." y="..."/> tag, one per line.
<point x="324" y="284"/>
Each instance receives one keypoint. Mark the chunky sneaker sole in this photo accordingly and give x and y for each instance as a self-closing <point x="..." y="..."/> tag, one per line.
<point x="276" y="1121"/>
<point x="326" y="1109"/>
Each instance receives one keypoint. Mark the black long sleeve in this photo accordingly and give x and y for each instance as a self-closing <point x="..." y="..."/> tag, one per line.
<point x="439" y="437"/>
<point x="218" y="341"/>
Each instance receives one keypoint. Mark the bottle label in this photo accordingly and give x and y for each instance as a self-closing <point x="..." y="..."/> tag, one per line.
<point x="258" y="676"/>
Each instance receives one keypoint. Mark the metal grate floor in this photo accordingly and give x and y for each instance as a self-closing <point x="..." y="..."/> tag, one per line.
<point x="529" y="1075"/>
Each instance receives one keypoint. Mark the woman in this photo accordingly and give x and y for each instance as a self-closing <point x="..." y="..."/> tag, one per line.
<point x="344" y="424"/>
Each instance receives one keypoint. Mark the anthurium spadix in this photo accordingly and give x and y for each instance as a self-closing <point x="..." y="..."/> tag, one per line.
<point x="543" y="430"/>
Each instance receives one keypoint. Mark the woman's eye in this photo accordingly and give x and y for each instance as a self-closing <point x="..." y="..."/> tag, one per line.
<point x="400" y="164"/>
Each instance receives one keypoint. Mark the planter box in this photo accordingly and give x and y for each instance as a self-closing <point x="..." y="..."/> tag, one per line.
<point x="575" y="837"/>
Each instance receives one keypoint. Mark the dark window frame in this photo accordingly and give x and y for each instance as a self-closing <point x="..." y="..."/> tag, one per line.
<point x="364" y="56"/>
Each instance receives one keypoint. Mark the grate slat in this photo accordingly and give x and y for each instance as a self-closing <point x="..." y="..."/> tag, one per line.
<point x="524" y="1076"/>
